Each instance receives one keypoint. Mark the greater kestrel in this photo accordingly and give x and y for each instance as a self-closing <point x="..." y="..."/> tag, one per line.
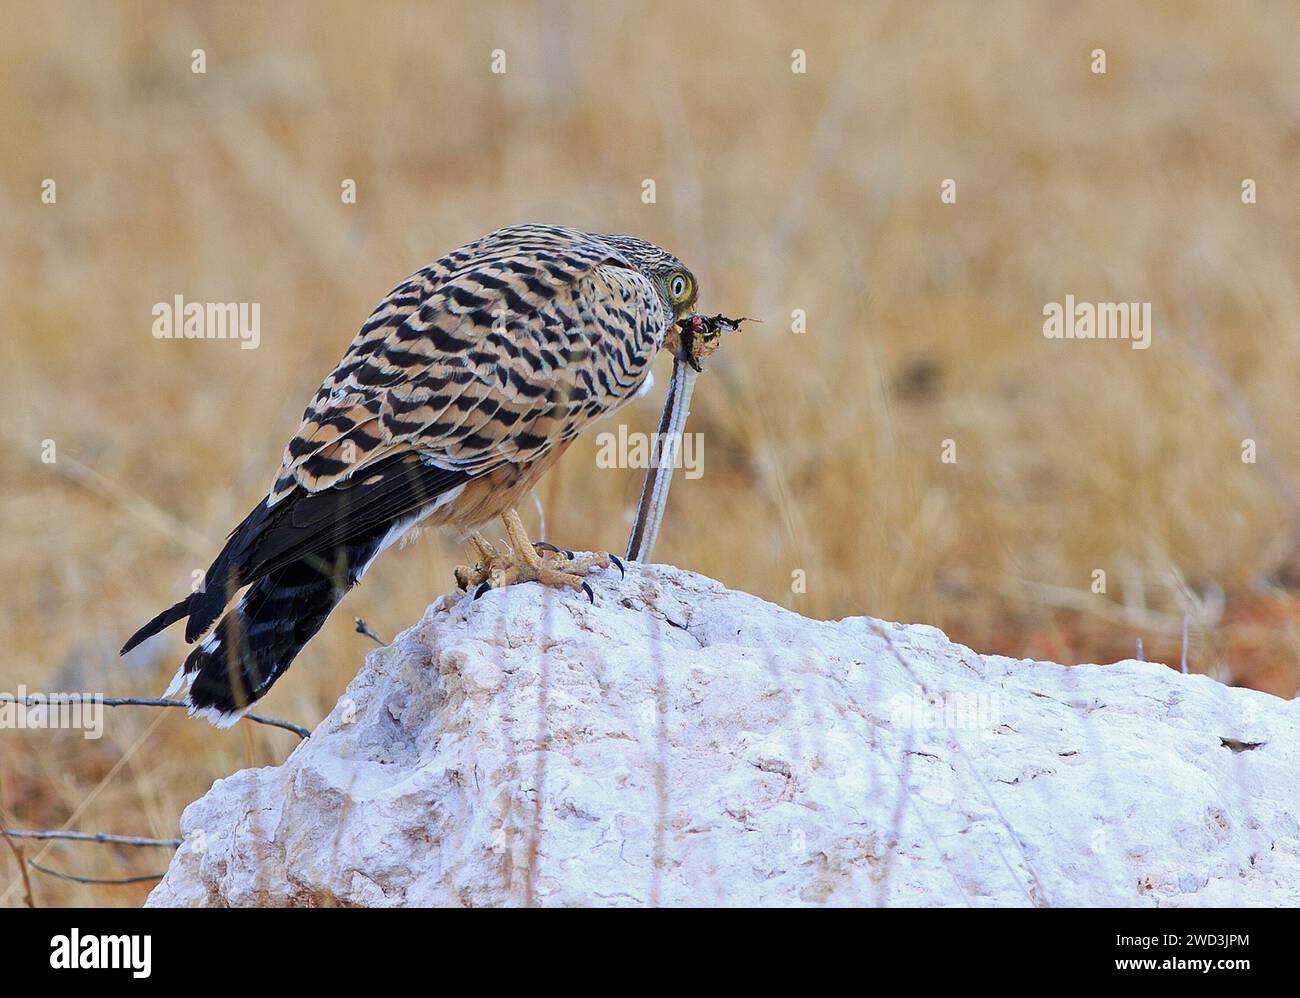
<point x="466" y="383"/>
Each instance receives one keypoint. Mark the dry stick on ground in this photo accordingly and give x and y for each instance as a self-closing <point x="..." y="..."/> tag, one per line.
<point x="57" y="700"/>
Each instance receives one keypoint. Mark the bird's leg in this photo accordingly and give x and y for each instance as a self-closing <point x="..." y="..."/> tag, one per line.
<point x="522" y="562"/>
<point x="467" y="576"/>
<point x="475" y="575"/>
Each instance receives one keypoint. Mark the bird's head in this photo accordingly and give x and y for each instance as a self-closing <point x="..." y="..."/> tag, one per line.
<point x="672" y="279"/>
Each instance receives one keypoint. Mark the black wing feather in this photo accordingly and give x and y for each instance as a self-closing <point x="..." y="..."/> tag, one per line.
<point x="306" y="525"/>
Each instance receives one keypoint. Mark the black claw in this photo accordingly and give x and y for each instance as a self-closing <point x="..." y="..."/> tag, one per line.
<point x="482" y="589"/>
<point x="590" y="595"/>
<point x="546" y="546"/>
<point x="614" y="559"/>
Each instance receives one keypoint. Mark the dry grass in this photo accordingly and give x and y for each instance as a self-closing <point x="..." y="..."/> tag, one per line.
<point x="816" y="192"/>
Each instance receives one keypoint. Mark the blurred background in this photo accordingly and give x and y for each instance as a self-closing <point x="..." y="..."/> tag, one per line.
<point x="784" y="191"/>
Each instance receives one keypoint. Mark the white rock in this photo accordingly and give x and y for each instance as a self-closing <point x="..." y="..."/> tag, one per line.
<point x="681" y="744"/>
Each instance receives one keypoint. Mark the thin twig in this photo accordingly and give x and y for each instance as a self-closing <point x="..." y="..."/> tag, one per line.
<point x="105" y="837"/>
<point x="58" y="699"/>
<point x="364" y="628"/>
<point x="95" y="880"/>
<point x="22" y="866"/>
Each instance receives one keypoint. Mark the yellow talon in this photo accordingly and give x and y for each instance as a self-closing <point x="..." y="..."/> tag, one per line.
<point x="521" y="562"/>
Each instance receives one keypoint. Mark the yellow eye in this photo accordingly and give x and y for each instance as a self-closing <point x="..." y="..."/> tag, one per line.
<point x="679" y="286"/>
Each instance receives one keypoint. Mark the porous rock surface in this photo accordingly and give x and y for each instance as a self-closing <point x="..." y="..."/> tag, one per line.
<point x="678" y="743"/>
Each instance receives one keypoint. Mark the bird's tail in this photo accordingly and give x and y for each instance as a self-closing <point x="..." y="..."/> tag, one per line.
<point x="255" y="642"/>
<point x="298" y="558"/>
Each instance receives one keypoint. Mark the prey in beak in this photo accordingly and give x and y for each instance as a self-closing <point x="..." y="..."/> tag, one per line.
<point x="700" y="336"/>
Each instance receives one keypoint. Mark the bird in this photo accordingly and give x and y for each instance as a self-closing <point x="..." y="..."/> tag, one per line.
<point x="461" y="389"/>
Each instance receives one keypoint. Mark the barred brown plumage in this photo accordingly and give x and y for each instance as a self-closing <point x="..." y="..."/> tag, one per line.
<point x="461" y="388"/>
